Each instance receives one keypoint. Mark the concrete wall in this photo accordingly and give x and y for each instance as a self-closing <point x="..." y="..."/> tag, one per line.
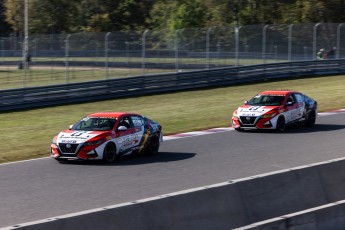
<point x="325" y="217"/>
<point x="226" y="205"/>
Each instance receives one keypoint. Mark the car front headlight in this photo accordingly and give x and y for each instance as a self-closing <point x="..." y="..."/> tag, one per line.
<point x="54" y="141"/>
<point x="269" y="115"/>
<point x="234" y="114"/>
<point x="96" y="142"/>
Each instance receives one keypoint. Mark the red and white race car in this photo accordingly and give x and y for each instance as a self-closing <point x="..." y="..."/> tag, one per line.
<point x="275" y="110"/>
<point x="106" y="135"/>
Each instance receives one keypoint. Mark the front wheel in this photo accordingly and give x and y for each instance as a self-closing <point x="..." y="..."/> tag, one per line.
<point x="109" y="153"/>
<point x="61" y="160"/>
<point x="239" y="129"/>
<point x="281" y="124"/>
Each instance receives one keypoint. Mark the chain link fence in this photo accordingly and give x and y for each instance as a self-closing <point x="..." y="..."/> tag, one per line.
<point x="80" y="57"/>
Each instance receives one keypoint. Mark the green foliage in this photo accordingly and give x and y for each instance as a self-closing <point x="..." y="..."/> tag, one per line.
<point x="4" y="26"/>
<point x="54" y="16"/>
<point x="59" y="16"/>
<point x="15" y="14"/>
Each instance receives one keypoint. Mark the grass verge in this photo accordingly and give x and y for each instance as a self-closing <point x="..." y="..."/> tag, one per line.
<point x="27" y="134"/>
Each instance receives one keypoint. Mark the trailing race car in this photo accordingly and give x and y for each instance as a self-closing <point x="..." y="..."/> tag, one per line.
<point x="106" y="135"/>
<point x="275" y="110"/>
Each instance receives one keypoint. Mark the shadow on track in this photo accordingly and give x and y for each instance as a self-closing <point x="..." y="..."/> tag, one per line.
<point x="302" y="129"/>
<point x="315" y="128"/>
<point x="138" y="159"/>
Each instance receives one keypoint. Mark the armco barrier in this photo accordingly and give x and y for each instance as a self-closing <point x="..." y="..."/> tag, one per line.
<point x="228" y="205"/>
<point x="32" y="97"/>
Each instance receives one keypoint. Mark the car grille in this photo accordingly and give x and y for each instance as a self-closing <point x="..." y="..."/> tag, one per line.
<point x="248" y="120"/>
<point x="68" y="148"/>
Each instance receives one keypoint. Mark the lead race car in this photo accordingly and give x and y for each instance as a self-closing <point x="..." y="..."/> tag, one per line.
<point x="106" y="135"/>
<point x="275" y="109"/>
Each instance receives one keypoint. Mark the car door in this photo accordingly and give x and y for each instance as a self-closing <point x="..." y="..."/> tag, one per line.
<point x="295" y="108"/>
<point x="301" y="108"/>
<point x="138" y="134"/>
<point x="125" y="135"/>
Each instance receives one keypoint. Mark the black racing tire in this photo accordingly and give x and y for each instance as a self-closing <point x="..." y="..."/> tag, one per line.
<point x="109" y="153"/>
<point x="281" y="126"/>
<point x="153" y="145"/>
<point x="239" y="129"/>
<point x="310" y="118"/>
<point x="61" y="160"/>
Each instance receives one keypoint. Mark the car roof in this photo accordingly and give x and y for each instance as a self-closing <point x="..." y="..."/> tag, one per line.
<point x="278" y="92"/>
<point x="110" y="114"/>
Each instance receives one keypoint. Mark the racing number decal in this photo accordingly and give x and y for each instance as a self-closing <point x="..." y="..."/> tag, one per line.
<point x="77" y="134"/>
<point x="254" y="108"/>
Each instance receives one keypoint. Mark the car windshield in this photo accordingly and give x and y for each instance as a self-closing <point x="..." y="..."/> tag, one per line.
<point x="95" y="124"/>
<point x="266" y="100"/>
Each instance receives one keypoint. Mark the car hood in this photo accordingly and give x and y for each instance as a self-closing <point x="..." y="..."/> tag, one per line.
<point x="248" y="110"/>
<point x="77" y="137"/>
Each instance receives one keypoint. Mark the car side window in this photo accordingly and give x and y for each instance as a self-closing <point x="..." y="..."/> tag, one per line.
<point x="137" y="121"/>
<point x="299" y="98"/>
<point x="290" y="99"/>
<point x="126" y="122"/>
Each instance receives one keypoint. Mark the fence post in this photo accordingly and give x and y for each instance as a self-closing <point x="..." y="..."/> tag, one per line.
<point x="237" y="44"/>
<point x="264" y="31"/>
<point x="24" y="64"/>
<point x="176" y="51"/>
<point x="290" y="42"/>
<point x="208" y="47"/>
<point x="106" y="53"/>
<point x="67" y="57"/>
<point x="338" y="39"/>
<point x="314" y="40"/>
<point x="143" y="53"/>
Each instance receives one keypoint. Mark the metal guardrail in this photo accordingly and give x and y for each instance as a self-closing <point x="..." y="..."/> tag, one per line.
<point x="34" y="97"/>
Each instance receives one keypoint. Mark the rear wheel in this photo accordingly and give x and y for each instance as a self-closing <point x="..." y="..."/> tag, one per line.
<point x="153" y="145"/>
<point x="281" y="124"/>
<point x="109" y="153"/>
<point x="311" y="118"/>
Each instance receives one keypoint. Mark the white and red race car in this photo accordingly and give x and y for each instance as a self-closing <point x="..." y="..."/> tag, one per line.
<point x="275" y="109"/>
<point x="106" y="135"/>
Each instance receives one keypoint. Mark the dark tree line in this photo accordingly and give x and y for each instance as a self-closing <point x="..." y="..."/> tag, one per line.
<point x="66" y="16"/>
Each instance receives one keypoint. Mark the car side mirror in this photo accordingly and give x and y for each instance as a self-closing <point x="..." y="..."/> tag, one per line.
<point x="70" y="127"/>
<point x="289" y="103"/>
<point x="122" y="128"/>
<point x="245" y="102"/>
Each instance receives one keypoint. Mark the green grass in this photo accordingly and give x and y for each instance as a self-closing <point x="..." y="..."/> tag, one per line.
<point x="27" y="134"/>
<point x="14" y="78"/>
<point x="39" y="75"/>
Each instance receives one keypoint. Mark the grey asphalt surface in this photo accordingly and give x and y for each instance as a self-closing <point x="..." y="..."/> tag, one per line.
<point x="44" y="188"/>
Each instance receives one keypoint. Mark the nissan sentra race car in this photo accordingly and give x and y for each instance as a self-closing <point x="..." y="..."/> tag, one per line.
<point x="106" y="135"/>
<point x="275" y="110"/>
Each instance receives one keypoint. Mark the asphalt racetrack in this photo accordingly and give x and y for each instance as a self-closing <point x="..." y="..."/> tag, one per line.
<point x="43" y="188"/>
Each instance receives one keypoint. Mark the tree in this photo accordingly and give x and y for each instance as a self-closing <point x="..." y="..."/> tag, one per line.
<point x="5" y="28"/>
<point x="130" y="15"/>
<point x="15" y="14"/>
<point x="53" y="16"/>
<point x="179" y="14"/>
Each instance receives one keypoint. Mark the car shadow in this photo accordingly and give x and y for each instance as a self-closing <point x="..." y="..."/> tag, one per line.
<point x="315" y="128"/>
<point x="301" y="129"/>
<point x="138" y="159"/>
